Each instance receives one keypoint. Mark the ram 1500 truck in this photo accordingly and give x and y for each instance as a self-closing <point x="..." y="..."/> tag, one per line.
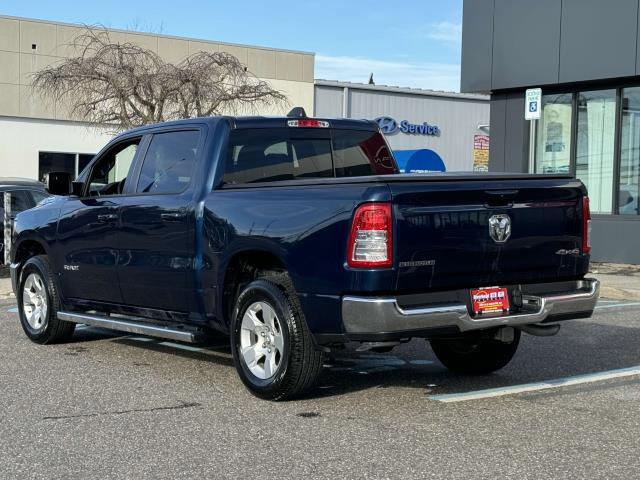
<point x="295" y="236"/>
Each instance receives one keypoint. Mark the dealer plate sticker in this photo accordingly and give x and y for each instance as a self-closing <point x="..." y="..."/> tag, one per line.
<point x="489" y="300"/>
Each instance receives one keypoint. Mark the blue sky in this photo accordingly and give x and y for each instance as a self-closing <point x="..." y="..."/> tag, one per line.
<point x="413" y="43"/>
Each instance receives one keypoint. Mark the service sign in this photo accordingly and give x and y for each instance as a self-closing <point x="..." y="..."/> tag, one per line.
<point x="533" y="104"/>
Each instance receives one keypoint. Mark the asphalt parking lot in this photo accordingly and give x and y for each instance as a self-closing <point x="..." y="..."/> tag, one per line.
<point x="107" y="406"/>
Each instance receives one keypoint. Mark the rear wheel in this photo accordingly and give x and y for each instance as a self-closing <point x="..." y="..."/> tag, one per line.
<point x="272" y="347"/>
<point x="38" y="303"/>
<point x="474" y="353"/>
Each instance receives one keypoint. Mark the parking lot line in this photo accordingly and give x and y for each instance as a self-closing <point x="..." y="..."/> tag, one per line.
<point x="626" y="304"/>
<point x="532" y="387"/>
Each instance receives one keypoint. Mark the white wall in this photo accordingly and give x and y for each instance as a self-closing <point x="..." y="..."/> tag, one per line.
<point x="21" y="139"/>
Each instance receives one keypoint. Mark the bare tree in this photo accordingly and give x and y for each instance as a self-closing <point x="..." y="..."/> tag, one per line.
<point x="125" y="85"/>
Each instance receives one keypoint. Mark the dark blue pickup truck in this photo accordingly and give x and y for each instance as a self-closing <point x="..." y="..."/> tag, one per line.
<point x="295" y="236"/>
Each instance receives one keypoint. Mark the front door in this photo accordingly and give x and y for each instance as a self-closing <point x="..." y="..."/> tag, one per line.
<point x="156" y="242"/>
<point x="87" y="238"/>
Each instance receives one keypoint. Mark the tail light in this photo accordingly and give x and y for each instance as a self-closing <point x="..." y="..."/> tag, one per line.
<point x="586" y="225"/>
<point x="371" y="238"/>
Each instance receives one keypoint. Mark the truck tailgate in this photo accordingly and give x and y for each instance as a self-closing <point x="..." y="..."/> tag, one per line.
<point x="442" y="237"/>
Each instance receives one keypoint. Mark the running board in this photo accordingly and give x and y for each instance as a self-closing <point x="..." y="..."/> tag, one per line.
<point x="181" y="333"/>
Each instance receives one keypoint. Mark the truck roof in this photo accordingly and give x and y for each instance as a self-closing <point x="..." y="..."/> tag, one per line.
<point x="260" y="122"/>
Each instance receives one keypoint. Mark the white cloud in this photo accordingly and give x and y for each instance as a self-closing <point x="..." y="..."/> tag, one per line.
<point x="445" y="32"/>
<point x="435" y="76"/>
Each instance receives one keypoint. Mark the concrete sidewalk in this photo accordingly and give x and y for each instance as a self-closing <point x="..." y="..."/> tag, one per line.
<point x="5" y="288"/>
<point x="619" y="282"/>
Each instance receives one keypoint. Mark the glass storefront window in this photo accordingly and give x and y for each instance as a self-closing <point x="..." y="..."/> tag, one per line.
<point x="553" y="136"/>
<point x="629" y="193"/>
<point x="595" y="146"/>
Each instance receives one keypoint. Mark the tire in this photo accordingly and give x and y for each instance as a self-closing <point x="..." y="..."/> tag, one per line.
<point x="41" y="326"/>
<point x="474" y="354"/>
<point x="283" y="363"/>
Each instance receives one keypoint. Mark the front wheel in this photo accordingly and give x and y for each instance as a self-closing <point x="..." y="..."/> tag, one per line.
<point x="475" y="354"/>
<point x="271" y="344"/>
<point x="38" y="303"/>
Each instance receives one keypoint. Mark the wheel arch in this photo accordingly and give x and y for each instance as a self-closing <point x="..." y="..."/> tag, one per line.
<point x="28" y="247"/>
<point x="243" y="267"/>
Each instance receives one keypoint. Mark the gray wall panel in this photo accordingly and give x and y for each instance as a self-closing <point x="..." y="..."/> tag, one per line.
<point x="598" y="39"/>
<point x="498" y="132"/>
<point x="526" y="43"/>
<point x="615" y="240"/>
<point x="515" y="157"/>
<point x="477" y="44"/>
<point x="327" y="102"/>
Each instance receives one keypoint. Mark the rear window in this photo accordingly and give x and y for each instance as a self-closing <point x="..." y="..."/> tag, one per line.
<point x="267" y="155"/>
<point x="358" y="153"/>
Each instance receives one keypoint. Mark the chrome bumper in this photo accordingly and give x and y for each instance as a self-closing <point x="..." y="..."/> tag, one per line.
<point x="366" y="315"/>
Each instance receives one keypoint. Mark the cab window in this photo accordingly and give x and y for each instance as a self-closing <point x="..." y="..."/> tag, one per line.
<point x="109" y="174"/>
<point x="169" y="162"/>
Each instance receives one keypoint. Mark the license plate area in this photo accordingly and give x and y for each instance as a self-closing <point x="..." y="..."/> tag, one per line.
<point x="489" y="300"/>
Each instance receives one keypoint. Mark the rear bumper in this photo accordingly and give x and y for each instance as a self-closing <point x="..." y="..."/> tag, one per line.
<point x="377" y="317"/>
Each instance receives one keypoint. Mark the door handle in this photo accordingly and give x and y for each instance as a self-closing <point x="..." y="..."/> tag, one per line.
<point x="107" y="217"/>
<point x="173" y="216"/>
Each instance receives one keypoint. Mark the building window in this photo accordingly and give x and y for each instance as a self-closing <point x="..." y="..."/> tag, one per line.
<point x="553" y="134"/>
<point x="595" y="146"/>
<point x="56" y="162"/>
<point x="594" y="136"/>
<point x="72" y="163"/>
<point x="629" y="189"/>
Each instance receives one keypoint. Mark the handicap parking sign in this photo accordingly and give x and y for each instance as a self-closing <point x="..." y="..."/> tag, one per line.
<point x="533" y="97"/>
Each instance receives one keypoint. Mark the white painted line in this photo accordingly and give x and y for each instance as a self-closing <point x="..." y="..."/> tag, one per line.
<point x="188" y="348"/>
<point x="630" y="304"/>
<point x="422" y="362"/>
<point x="532" y="387"/>
<point x="13" y="310"/>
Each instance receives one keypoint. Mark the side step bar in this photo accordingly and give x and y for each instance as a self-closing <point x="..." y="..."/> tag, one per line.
<point x="137" y="325"/>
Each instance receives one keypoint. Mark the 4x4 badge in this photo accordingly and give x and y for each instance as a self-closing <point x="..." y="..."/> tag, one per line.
<point x="500" y="228"/>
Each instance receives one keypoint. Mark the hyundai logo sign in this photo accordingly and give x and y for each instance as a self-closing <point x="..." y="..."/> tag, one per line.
<point x="386" y="124"/>
<point x="389" y="125"/>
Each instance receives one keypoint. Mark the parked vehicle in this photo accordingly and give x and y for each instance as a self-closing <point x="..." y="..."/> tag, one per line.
<point x="25" y="194"/>
<point x="296" y="236"/>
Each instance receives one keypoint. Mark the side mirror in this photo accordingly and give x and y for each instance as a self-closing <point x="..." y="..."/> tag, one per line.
<point x="76" y="188"/>
<point x="58" y="183"/>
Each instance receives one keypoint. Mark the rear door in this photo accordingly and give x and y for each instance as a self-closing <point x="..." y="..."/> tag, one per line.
<point x="444" y="241"/>
<point x="157" y="225"/>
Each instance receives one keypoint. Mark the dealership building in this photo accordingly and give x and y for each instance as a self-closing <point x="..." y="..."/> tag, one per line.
<point x="584" y="55"/>
<point x="427" y="130"/>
